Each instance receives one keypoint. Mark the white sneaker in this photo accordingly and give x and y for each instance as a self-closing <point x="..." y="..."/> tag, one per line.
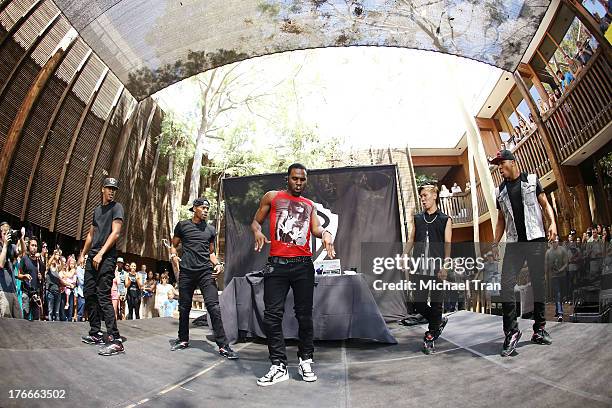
<point x="305" y="370"/>
<point x="276" y="374"/>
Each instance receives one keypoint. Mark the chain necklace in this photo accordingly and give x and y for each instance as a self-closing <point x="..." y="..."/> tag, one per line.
<point x="429" y="222"/>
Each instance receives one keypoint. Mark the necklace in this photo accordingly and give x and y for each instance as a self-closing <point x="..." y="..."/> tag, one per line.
<point x="429" y="222"/>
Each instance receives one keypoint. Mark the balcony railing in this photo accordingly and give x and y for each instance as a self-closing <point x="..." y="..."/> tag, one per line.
<point x="459" y="206"/>
<point x="581" y="113"/>
<point x="530" y="156"/>
<point x="584" y="109"/>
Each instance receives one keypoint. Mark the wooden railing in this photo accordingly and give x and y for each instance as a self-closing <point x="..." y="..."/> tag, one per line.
<point x="459" y="206"/>
<point x="584" y="109"/>
<point x="530" y="156"/>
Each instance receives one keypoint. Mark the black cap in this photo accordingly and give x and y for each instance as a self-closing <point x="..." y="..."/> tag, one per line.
<point x="502" y="155"/>
<point x="198" y="202"/>
<point x="110" y="182"/>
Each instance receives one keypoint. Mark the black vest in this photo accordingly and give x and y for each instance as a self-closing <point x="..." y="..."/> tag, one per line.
<point x="435" y="231"/>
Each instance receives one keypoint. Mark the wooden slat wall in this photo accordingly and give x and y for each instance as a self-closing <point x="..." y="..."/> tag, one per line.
<point x="53" y="147"/>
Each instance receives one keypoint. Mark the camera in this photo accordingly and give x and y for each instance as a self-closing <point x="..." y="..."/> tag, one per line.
<point x="14" y="236"/>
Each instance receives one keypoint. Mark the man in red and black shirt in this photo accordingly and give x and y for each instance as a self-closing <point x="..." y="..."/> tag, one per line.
<point x="293" y="219"/>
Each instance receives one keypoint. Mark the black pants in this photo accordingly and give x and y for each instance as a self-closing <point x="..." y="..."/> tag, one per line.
<point x="514" y="258"/>
<point x="97" y="291"/>
<point x="432" y="311"/>
<point x="277" y="281"/>
<point x="188" y="281"/>
<point x="133" y="301"/>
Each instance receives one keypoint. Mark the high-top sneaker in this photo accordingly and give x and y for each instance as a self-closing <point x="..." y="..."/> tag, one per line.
<point x="510" y="342"/>
<point x="278" y="372"/>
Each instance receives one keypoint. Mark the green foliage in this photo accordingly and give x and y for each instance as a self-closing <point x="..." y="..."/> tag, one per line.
<point x="423" y="179"/>
<point x="267" y="8"/>
<point x="175" y="140"/>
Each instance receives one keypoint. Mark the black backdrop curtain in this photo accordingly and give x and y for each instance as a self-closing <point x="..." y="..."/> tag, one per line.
<point x="361" y="201"/>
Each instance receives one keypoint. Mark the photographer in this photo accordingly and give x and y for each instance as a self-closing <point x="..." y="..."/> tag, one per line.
<point x="9" y="304"/>
<point x="30" y="272"/>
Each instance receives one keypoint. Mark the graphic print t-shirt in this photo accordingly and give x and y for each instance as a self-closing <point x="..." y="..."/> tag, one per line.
<point x="290" y="225"/>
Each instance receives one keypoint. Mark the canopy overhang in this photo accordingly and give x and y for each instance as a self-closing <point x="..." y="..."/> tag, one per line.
<point x="151" y="44"/>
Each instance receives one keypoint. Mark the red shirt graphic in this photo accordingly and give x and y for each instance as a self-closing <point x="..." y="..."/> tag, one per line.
<point x="290" y="225"/>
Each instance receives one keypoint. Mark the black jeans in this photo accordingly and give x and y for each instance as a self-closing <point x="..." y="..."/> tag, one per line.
<point x="188" y="281"/>
<point x="133" y="301"/>
<point x="97" y="291"/>
<point x="277" y="281"/>
<point x="53" y="305"/>
<point x="514" y="258"/>
<point x="432" y="311"/>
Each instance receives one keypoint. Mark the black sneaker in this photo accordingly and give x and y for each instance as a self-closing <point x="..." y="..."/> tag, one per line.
<point x="560" y="318"/>
<point x="278" y="372"/>
<point x="429" y="346"/>
<point x="227" y="352"/>
<point x="179" y="345"/>
<point x="92" y="339"/>
<point x="442" y="326"/>
<point x="541" y="337"/>
<point x="111" y="349"/>
<point x="510" y="342"/>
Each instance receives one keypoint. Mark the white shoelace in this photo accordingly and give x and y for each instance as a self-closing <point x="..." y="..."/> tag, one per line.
<point x="273" y="370"/>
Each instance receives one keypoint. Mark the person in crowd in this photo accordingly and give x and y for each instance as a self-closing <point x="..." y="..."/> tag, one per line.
<point x="198" y="267"/>
<point x="594" y="252"/>
<point x="531" y="124"/>
<point x="134" y="287"/>
<point x="115" y="294"/>
<point x="511" y="142"/>
<point x="543" y="106"/>
<point x="148" y="295"/>
<point x="565" y="79"/>
<point x="524" y="128"/>
<point x="161" y="292"/>
<point x="445" y="192"/>
<point x="121" y="275"/>
<point x="468" y="187"/>
<point x="100" y="245"/>
<point x="455" y="189"/>
<point x="557" y="262"/>
<point x="289" y="265"/>
<point x="522" y="204"/>
<point x="575" y="264"/>
<point x="30" y="273"/>
<point x="53" y="288"/>
<point x="80" y="275"/>
<point x="170" y="305"/>
<point x="9" y="251"/>
<point x="552" y="98"/>
<point x="584" y="54"/>
<point x="142" y="274"/>
<point x="68" y="279"/>
<point x="430" y="239"/>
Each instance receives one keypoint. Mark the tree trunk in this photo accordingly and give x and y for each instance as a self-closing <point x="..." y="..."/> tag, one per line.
<point x="194" y="183"/>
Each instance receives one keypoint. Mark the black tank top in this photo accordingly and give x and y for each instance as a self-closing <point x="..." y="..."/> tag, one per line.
<point x="432" y="226"/>
<point x="133" y="285"/>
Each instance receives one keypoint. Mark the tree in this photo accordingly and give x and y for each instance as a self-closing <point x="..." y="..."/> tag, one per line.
<point x="222" y="90"/>
<point x="175" y="141"/>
